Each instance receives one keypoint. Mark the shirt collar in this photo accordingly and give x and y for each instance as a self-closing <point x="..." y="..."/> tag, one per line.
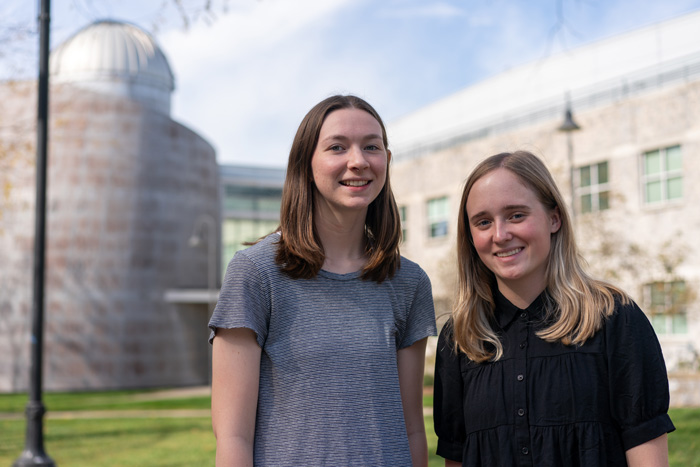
<point x="506" y="312"/>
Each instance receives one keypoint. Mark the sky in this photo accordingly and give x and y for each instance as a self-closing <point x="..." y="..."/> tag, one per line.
<point x="247" y="71"/>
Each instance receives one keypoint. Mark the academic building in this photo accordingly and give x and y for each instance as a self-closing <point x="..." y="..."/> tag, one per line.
<point x="133" y="212"/>
<point x="627" y="160"/>
<point x="251" y="198"/>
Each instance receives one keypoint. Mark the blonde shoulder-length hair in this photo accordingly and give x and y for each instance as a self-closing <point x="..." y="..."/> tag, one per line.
<point x="579" y="303"/>
<point x="300" y="252"/>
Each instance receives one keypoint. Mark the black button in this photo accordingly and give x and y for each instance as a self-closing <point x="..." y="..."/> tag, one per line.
<point x="521" y="377"/>
<point x="523" y="315"/>
<point x="525" y="451"/>
<point x="521" y="412"/>
<point x="523" y="344"/>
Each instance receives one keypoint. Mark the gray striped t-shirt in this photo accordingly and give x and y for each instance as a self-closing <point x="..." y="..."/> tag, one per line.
<point x="329" y="390"/>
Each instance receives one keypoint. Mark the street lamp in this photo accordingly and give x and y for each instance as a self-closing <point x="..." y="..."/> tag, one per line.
<point x="34" y="453"/>
<point x="568" y="127"/>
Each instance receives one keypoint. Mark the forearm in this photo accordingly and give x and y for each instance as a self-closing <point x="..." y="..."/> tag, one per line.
<point x="653" y="453"/>
<point x="419" y="448"/>
<point x="411" y="362"/>
<point x="234" y="451"/>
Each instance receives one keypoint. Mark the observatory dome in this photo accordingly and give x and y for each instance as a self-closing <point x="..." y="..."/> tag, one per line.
<point x="115" y="58"/>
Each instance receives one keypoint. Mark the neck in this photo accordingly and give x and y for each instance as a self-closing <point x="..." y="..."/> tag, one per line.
<point x="343" y="240"/>
<point x="522" y="297"/>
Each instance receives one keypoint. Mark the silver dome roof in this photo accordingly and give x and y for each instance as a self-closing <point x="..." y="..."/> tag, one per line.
<point x="116" y="58"/>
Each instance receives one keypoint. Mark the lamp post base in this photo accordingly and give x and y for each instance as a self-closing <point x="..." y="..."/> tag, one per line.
<point x="34" y="459"/>
<point x="34" y="454"/>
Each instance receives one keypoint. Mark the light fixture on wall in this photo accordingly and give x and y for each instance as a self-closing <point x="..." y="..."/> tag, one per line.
<point x="206" y="223"/>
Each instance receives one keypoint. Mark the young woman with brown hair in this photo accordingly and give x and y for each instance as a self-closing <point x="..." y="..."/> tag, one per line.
<point x="320" y="330"/>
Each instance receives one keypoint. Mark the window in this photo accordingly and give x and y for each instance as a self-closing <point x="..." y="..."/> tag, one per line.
<point x="245" y="199"/>
<point x="662" y="176"/>
<point x="235" y="232"/>
<point x="437" y="217"/>
<point x="666" y="304"/>
<point x="593" y="190"/>
<point x="402" y="217"/>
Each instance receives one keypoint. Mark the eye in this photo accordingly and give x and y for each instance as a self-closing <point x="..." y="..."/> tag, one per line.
<point x="482" y="224"/>
<point x="518" y="216"/>
<point x="372" y="147"/>
<point x="336" y="148"/>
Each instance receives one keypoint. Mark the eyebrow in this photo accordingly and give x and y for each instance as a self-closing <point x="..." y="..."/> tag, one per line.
<point x="345" y="138"/>
<point x="509" y="207"/>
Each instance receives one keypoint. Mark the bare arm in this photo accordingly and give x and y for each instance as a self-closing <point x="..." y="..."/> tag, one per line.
<point x="449" y="463"/>
<point x="234" y="395"/>
<point x="653" y="453"/>
<point x="411" y="362"/>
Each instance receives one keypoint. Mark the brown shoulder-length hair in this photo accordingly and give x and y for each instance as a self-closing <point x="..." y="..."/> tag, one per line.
<point x="299" y="252"/>
<point x="578" y="303"/>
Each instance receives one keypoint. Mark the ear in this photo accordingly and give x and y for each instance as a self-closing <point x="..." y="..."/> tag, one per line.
<point x="388" y="157"/>
<point x="555" y="220"/>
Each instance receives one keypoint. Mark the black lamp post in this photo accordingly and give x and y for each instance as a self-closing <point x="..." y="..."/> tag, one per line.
<point x="34" y="454"/>
<point x="569" y="126"/>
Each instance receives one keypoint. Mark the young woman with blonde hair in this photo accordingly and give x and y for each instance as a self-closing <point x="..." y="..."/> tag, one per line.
<point x="540" y="364"/>
<point x="319" y="334"/>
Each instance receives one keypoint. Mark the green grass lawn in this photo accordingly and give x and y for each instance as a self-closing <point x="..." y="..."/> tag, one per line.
<point x="189" y="441"/>
<point x="118" y="442"/>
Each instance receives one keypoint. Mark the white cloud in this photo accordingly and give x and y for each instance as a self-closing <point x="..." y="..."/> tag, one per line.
<point x="435" y="10"/>
<point x="246" y="82"/>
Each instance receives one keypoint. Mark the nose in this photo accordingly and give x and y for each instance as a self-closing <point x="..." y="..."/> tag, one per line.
<point x="501" y="231"/>
<point x="357" y="159"/>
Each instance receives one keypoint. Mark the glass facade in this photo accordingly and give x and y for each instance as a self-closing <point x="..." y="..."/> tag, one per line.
<point x="251" y="199"/>
<point x="236" y="232"/>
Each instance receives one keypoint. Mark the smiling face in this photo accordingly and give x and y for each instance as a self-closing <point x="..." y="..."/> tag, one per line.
<point x="349" y="163"/>
<point x="511" y="231"/>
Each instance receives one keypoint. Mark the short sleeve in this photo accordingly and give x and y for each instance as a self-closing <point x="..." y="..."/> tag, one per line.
<point x="637" y="377"/>
<point x="448" y="399"/>
<point x="420" y="322"/>
<point x="244" y="300"/>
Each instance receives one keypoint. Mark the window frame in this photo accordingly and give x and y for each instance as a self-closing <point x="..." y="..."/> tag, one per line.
<point x="663" y="176"/>
<point x="434" y="222"/>
<point x="594" y="189"/>
<point x="671" y="308"/>
<point x="403" y="218"/>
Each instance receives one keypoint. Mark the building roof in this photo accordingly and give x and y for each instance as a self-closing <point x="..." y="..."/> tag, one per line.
<point x="117" y="58"/>
<point x="252" y="176"/>
<point x="589" y="75"/>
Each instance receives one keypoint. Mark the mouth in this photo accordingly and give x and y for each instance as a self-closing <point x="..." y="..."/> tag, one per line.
<point x="505" y="254"/>
<point x="355" y="182"/>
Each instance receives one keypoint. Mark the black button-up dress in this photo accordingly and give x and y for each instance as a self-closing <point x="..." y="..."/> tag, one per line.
<point x="547" y="404"/>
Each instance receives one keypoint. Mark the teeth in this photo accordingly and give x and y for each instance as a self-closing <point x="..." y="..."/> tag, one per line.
<point x="355" y="182"/>
<point x="508" y="253"/>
